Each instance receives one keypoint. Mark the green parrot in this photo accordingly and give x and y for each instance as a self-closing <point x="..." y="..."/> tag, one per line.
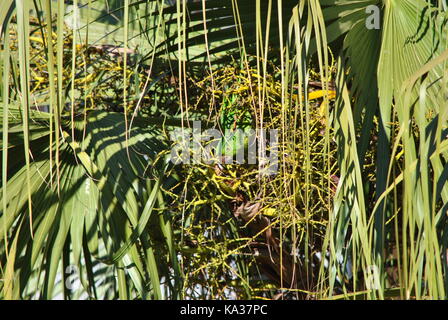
<point x="237" y="126"/>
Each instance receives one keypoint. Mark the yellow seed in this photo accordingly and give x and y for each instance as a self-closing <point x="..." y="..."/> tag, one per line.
<point x="320" y="94"/>
<point x="36" y="39"/>
<point x="270" y="212"/>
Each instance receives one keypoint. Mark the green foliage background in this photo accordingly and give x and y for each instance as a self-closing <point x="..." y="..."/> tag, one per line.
<point x="91" y="89"/>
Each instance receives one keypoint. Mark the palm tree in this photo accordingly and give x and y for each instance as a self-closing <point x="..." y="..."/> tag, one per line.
<point x="88" y="192"/>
